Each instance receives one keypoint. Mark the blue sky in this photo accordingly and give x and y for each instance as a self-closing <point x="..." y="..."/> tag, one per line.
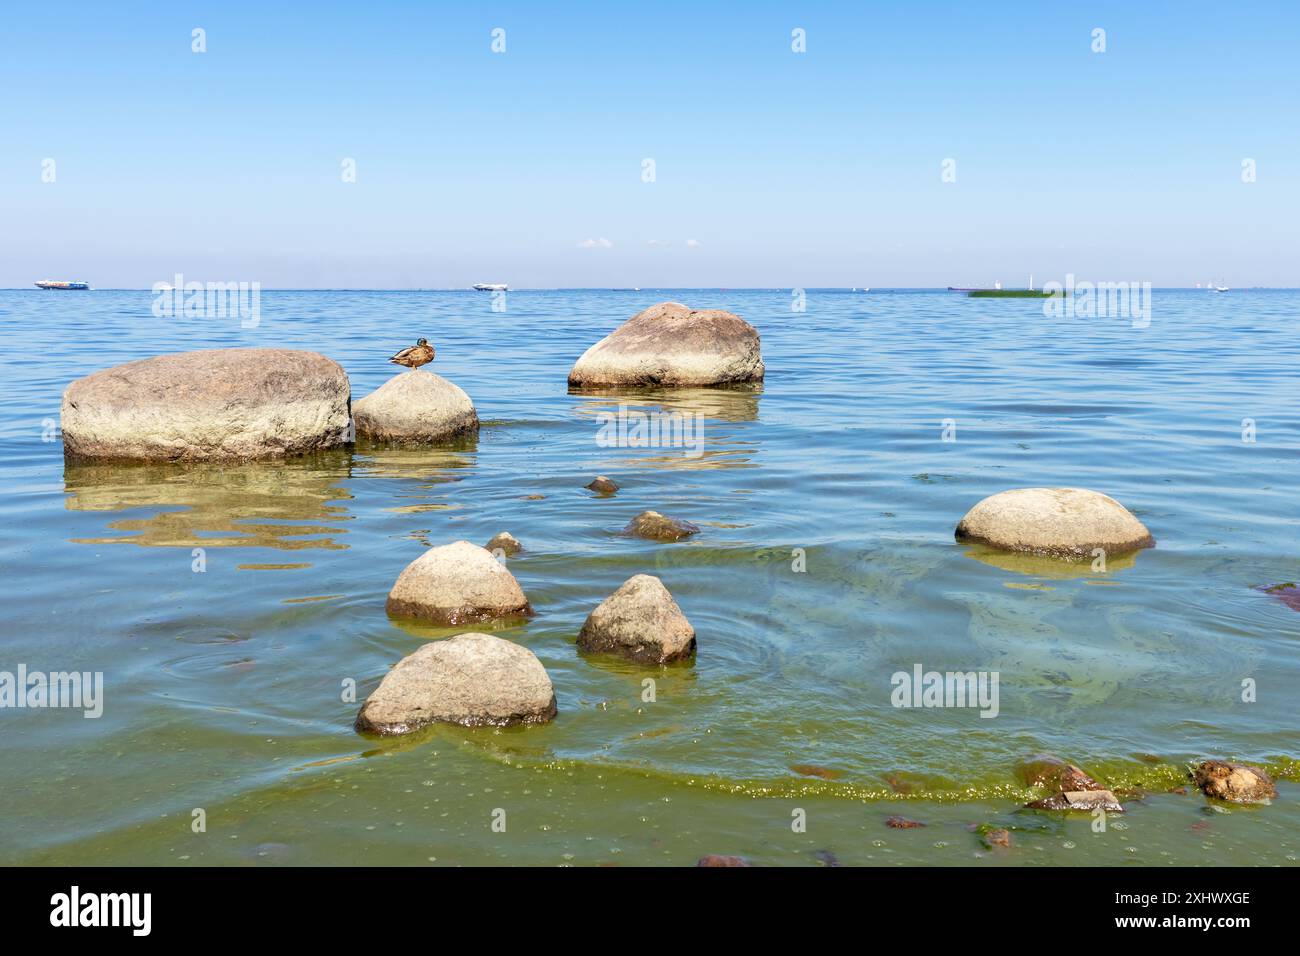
<point x="785" y="169"/>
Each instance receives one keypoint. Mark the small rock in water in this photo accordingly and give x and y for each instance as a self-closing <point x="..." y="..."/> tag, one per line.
<point x="902" y="823"/>
<point x="995" y="838"/>
<point x="1054" y="774"/>
<point x="640" y="621"/>
<point x="657" y="527"/>
<point x="1061" y="522"/>
<point x="471" y="679"/>
<point x="1079" y="800"/>
<point x="603" y="485"/>
<point x="1234" y="782"/>
<point x="812" y="770"/>
<point x="506" y="543"/>
<point x="714" y="859"/>
<point x="456" y="584"/>
<point x="1287" y="593"/>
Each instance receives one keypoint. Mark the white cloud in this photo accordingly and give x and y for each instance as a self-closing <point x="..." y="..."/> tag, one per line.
<point x="692" y="243"/>
<point x="657" y="242"/>
<point x="595" y="244"/>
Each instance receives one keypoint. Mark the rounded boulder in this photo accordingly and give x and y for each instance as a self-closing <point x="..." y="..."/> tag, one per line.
<point x="415" y="407"/>
<point x="670" y="344"/>
<point x="1063" y="522"/>
<point x="211" y="405"/>
<point x="473" y="680"/>
<point x="457" y="583"/>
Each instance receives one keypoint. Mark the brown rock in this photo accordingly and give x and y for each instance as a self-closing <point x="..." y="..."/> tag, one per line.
<point x="1287" y="593"/>
<point x="657" y="527"/>
<point x="997" y="838"/>
<point x="640" y="621"/>
<point x="671" y="345"/>
<point x="470" y="679"/>
<point x="1054" y="774"/>
<point x="506" y="543"/>
<point x="212" y="405"/>
<point x="902" y="823"/>
<point x="603" y="485"/>
<point x="1234" y="782"/>
<point x="714" y="859"/>
<point x="812" y="770"/>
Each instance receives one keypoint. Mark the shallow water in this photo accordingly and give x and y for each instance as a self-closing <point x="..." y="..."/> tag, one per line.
<point x="223" y="688"/>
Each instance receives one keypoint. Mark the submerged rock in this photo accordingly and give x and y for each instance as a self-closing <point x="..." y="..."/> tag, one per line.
<point x="657" y="527"/>
<point x="1234" y="782"/>
<point x="1287" y="593"/>
<point x="715" y="859"/>
<point x="812" y="770"/>
<point x="1055" y="774"/>
<point x="413" y="408"/>
<point x="996" y="838"/>
<point x="470" y="679"/>
<point x="639" y="621"/>
<point x="504" y="542"/>
<point x="1079" y="800"/>
<point x="212" y="405"/>
<point x="603" y="485"/>
<point x="671" y="344"/>
<point x="902" y="823"/>
<point x="456" y="584"/>
<point x="1063" y="522"/>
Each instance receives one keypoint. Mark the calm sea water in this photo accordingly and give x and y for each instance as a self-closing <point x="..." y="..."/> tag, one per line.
<point x="223" y="688"/>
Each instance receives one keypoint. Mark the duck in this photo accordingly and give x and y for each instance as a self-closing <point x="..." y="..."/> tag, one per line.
<point x="421" y="353"/>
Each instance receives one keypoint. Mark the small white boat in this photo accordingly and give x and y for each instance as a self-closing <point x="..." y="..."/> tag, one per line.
<point x="491" y="287"/>
<point x="63" y="285"/>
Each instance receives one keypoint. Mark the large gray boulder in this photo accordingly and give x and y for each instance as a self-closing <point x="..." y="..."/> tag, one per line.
<point x="213" y="405"/>
<point x="1064" y="522"/>
<point x="639" y="621"/>
<point x="415" y="407"/>
<point x="671" y="344"/>
<point x="457" y="583"/>
<point x="471" y="679"/>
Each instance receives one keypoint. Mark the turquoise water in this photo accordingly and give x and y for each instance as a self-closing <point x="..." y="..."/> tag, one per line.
<point x="223" y="688"/>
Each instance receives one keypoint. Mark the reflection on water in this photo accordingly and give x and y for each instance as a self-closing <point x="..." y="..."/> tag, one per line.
<point x="735" y="404"/>
<point x="688" y="429"/>
<point x="1041" y="566"/>
<point x="289" y="505"/>
<point x="432" y="464"/>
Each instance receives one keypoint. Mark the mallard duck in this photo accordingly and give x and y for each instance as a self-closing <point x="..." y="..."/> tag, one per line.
<point x="421" y="353"/>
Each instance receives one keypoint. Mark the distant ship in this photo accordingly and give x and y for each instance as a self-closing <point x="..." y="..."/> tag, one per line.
<point x="61" y="284"/>
<point x="491" y="287"/>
